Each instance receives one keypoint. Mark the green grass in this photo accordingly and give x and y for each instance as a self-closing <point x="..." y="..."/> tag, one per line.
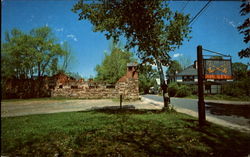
<point x="118" y="133"/>
<point x="221" y="97"/>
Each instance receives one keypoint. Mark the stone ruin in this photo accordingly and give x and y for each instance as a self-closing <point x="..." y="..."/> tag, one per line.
<point x="61" y="85"/>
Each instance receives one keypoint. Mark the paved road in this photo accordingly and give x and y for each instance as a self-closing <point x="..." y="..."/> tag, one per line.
<point x="233" y="113"/>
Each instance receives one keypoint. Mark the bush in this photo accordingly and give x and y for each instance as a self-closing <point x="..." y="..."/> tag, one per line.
<point x="180" y="90"/>
<point x="238" y="88"/>
<point x="172" y="89"/>
<point x="183" y="91"/>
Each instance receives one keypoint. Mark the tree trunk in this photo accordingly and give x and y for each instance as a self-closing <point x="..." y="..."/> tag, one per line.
<point x="39" y="70"/>
<point x="164" y="86"/>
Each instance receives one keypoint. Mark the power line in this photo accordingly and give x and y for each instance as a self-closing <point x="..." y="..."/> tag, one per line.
<point x="216" y="53"/>
<point x="199" y="12"/>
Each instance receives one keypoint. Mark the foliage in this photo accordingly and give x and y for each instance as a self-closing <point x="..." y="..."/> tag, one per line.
<point x="113" y="66"/>
<point x="184" y="61"/>
<point x="180" y="90"/>
<point x="238" y="88"/>
<point x="150" y="26"/>
<point x="24" y="55"/>
<point x="75" y="75"/>
<point x="67" y="57"/>
<point x="183" y="91"/>
<point x="118" y="133"/>
<point x="147" y="76"/>
<point x="172" y="89"/>
<point x="239" y="70"/>
<point x="174" y="67"/>
<point x="244" y="28"/>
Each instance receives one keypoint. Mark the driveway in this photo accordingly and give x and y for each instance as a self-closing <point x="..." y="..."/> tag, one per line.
<point x="28" y="107"/>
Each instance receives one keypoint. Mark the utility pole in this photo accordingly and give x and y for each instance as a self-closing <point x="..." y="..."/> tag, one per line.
<point x="201" y="103"/>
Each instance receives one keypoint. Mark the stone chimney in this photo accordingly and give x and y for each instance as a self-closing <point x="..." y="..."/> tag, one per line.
<point x="132" y="70"/>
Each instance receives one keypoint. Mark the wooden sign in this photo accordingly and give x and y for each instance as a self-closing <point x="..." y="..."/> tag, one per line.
<point x="217" y="69"/>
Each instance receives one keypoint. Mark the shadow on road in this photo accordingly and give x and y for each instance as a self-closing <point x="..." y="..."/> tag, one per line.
<point x="229" y="110"/>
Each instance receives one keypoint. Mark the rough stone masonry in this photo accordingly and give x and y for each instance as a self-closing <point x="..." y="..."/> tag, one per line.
<point x="61" y="85"/>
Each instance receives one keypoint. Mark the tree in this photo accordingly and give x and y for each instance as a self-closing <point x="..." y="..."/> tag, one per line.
<point x="114" y="65"/>
<point x="150" y="26"/>
<point x="184" y="61"/>
<point x="17" y="55"/>
<point x="239" y="71"/>
<point x="67" y="57"/>
<point x="27" y="54"/>
<point x="147" y="76"/>
<point x="244" y="28"/>
<point x="174" y="67"/>
<point x="46" y="49"/>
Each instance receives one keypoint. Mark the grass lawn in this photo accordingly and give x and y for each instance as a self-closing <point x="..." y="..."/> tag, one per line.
<point x="118" y="133"/>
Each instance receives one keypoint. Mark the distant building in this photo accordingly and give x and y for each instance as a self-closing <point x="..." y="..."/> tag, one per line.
<point x="190" y="76"/>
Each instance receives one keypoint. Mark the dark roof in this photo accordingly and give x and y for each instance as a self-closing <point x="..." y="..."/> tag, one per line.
<point x="190" y="70"/>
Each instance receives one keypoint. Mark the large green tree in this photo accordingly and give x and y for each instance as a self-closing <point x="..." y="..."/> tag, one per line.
<point x="150" y="26"/>
<point x="114" y="65"/>
<point x="239" y="71"/>
<point x="147" y="77"/>
<point x="174" y="68"/>
<point x="26" y="54"/>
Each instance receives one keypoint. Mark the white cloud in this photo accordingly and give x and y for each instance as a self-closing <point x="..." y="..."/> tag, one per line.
<point x="73" y="37"/>
<point x="230" y="22"/>
<point x="47" y="25"/>
<point x="177" y="55"/>
<point x="59" y="29"/>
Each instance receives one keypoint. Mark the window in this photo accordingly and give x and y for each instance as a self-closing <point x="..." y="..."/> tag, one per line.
<point x="51" y="87"/>
<point x="61" y="86"/>
<point x="110" y="86"/>
<point x="187" y="78"/>
<point x="74" y="87"/>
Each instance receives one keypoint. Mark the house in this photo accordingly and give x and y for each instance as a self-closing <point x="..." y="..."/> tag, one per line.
<point x="190" y="76"/>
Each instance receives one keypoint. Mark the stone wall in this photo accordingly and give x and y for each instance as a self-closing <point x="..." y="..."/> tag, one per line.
<point x="26" y="88"/>
<point x="61" y="85"/>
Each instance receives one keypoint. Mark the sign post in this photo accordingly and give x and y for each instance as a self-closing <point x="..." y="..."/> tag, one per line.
<point x="201" y="103"/>
<point x="121" y="101"/>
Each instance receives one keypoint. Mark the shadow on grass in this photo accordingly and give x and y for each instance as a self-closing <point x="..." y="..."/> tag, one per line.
<point x="126" y="109"/>
<point x="131" y="132"/>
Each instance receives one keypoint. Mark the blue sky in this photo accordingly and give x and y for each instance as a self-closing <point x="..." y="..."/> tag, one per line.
<point x="215" y="29"/>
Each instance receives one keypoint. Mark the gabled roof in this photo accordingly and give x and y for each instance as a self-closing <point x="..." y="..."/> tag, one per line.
<point x="190" y="70"/>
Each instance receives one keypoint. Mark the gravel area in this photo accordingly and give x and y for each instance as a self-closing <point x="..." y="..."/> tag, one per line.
<point x="28" y="107"/>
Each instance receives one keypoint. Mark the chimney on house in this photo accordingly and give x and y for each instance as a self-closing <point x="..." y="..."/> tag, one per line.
<point x="132" y="70"/>
<point x="195" y="64"/>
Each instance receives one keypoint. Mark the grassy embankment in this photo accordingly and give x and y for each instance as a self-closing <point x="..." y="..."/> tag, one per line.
<point x="118" y="133"/>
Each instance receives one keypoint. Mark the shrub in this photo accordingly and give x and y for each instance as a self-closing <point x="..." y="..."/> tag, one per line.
<point x="183" y="91"/>
<point x="180" y="90"/>
<point x="172" y="89"/>
<point x="238" y="88"/>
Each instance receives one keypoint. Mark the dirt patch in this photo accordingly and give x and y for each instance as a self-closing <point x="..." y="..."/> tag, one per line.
<point x="27" y="107"/>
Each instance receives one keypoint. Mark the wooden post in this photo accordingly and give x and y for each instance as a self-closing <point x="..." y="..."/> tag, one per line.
<point x="201" y="103"/>
<point x="120" y="101"/>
